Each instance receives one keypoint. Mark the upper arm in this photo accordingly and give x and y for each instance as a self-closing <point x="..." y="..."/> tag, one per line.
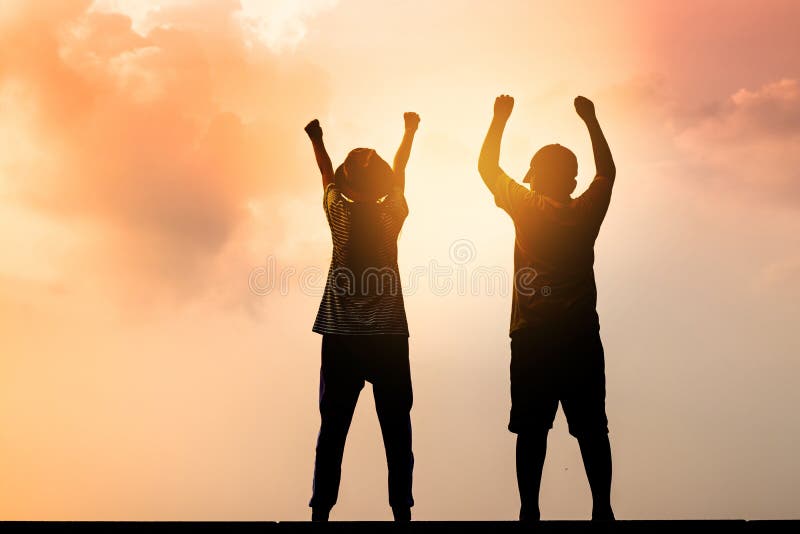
<point x="399" y="180"/>
<point x="323" y="162"/>
<point x="326" y="169"/>
<point x="327" y="178"/>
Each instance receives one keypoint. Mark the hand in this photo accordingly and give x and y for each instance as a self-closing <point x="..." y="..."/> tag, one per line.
<point x="314" y="130"/>
<point x="412" y="121"/>
<point x="585" y="108"/>
<point x="503" y="105"/>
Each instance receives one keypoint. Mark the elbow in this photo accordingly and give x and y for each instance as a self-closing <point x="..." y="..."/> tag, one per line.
<point x="488" y="174"/>
<point x="609" y="172"/>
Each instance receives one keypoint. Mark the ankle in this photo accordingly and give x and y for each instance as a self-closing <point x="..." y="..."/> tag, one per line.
<point x="529" y="514"/>
<point x="320" y="514"/>
<point x="401" y="513"/>
<point x="602" y="513"/>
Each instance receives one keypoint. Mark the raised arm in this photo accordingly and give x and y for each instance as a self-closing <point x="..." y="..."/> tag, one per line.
<point x="314" y="132"/>
<point x="489" y="160"/>
<point x="411" y="120"/>
<point x="603" y="162"/>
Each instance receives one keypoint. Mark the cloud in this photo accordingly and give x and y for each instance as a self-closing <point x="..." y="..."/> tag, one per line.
<point x="159" y="141"/>
<point x="750" y="139"/>
<point x="742" y="145"/>
<point x="771" y="111"/>
<point x="279" y="24"/>
<point x="282" y="23"/>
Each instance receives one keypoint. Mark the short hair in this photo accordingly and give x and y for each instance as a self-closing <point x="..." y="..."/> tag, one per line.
<point x="554" y="163"/>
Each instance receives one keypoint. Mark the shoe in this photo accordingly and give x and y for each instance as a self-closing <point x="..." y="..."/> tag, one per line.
<point x="529" y="516"/>
<point x="401" y="513"/>
<point x="320" y="515"/>
<point x="603" y="515"/>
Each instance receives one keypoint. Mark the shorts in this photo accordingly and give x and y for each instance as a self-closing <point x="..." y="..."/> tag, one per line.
<point x="548" y="367"/>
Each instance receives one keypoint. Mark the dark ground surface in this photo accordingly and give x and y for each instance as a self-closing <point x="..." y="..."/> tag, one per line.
<point x="678" y="527"/>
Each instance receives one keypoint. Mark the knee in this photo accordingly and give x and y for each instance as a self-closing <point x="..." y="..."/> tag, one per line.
<point x="588" y="427"/>
<point x="533" y="433"/>
<point x="396" y="403"/>
<point x="530" y="432"/>
<point x="590" y="434"/>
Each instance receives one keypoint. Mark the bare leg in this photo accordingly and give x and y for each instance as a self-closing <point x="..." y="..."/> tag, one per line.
<point x="596" y="453"/>
<point x="531" y="450"/>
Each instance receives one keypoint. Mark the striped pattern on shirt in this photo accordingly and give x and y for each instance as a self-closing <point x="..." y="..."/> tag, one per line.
<point x="363" y="294"/>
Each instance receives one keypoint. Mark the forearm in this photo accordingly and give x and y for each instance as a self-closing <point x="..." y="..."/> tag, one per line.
<point x="603" y="161"/>
<point x="401" y="159"/>
<point x="323" y="160"/>
<point x="489" y="160"/>
<point x="404" y="151"/>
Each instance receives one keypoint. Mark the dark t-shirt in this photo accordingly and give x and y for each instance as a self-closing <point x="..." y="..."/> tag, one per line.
<point x="553" y="254"/>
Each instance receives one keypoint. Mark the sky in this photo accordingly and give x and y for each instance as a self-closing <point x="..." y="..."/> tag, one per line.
<point x="165" y="248"/>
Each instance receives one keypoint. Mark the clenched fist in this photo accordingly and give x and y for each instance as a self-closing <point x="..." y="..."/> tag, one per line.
<point x="503" y="105"/>
<point x="313" y="129"/>
<point x="412" y="121"/>
<point x="584" y="107"/>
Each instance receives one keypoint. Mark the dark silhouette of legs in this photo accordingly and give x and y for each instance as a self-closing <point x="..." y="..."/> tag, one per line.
<point x="396" y="429"/>
<point x="340" y="385"/>
<point x="320" y="515"/>
<point x="596" y="453"/>
<point x="584" y="407"/>
<point x="391" y="386"/>
<point x="347" y="361"/>
<point x="534" y="402"/>
<point x="330" y="449"/>
<point x="531" y="450"/>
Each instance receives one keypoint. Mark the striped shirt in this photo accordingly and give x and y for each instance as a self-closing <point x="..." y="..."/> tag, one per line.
<point x="363" y="294"/>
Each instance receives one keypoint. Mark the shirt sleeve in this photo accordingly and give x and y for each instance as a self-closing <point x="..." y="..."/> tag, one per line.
<point x="595" y="200"/>
<point x="332" y="201"/>
<point x="395" y="209"/>
<point x="508" y="194"/>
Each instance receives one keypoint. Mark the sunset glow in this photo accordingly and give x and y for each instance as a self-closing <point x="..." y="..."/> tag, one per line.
<point x="154" y="159"/>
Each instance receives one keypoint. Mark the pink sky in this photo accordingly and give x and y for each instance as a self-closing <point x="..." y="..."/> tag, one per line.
<point x="155" y="159"/>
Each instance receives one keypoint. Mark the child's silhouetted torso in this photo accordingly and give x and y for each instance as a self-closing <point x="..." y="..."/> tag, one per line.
<point x="363" y="293"/>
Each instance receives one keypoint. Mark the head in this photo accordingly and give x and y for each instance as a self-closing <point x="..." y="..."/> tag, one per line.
<point x="553" y="171"/>
<point x="364" y="176"/>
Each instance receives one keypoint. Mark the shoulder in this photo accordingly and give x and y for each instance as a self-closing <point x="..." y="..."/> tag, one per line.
<point x="600" y="188"/>
<point x="330" y="191"/>
<point x="594" y="202"/>
<point x="514" y="197"/>
<point x="396" y="198"/>
<point x="333" y="196"/>
<point x="602" y="181"/>
<point x="334" y="202"/>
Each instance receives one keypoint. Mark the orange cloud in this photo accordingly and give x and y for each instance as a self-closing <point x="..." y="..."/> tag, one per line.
<point x="159" y="141"/>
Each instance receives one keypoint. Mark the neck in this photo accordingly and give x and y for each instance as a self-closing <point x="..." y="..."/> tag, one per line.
<point x="563" y="199"/>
